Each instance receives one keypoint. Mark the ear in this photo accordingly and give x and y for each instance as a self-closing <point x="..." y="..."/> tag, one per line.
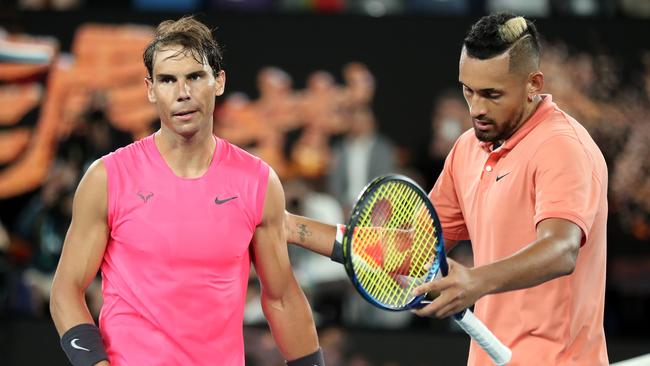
<point x="220" y="83"/>
<point x="150" y="94"/>
<point x="535" y="84"/>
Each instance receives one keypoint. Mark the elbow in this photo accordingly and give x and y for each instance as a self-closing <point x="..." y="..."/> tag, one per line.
<point x="569" y="258"/>
<point x="62" y="293"/>
<point x="282" y="299"/>
<point x="274" y="305"/>
<point x="56" y="297"/>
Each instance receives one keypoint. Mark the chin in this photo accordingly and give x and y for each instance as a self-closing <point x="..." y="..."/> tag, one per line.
<point x="485" y="136"/>
<point x="187" y="130"/>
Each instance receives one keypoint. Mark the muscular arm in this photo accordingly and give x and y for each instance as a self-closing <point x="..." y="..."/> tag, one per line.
<point x="551" y="255"/>
<point x="317" y="236"/>
<point x="83" y="250"/>
<point x="310" y="234"/>
<point x="285" y="305"/>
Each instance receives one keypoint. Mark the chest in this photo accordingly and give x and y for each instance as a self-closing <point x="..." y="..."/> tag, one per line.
<point x="497" y="190"/>
<point x="182" y="223"/>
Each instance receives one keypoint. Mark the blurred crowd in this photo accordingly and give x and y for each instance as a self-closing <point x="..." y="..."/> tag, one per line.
<point x="533" y="8"/>
<point x="323" y="140"/>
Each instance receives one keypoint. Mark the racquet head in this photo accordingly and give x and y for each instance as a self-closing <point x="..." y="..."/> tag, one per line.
<point x="393" y="242"/>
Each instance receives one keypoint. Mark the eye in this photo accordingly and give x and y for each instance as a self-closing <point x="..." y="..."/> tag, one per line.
<point x="195" y="77"/>
<point x="166" y="80"/>
<point x="494" y="96"/>
<point x="467" y="90"/>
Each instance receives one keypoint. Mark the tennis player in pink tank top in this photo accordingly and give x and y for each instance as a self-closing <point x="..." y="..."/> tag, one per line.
<point x="173" y="221"/>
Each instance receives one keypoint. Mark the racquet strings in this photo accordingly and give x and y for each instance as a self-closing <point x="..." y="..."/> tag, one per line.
<point x="393" y="241"/>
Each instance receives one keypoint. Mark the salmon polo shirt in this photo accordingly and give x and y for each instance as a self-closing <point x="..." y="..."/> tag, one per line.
<point x="549" y="168"/>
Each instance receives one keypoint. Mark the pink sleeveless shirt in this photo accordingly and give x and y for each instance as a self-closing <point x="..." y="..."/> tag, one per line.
<point x="175" y="270"/>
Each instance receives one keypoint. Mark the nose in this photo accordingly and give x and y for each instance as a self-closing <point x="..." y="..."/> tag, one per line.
<point x="477" y="106"/>
<point x="183" y="91"/>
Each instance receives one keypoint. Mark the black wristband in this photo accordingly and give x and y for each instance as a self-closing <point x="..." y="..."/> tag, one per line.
<point x="337" y="249"/>
<point x="314" y="359"/>
<point x="83" y="345"/>
<point x="337" y="253"/>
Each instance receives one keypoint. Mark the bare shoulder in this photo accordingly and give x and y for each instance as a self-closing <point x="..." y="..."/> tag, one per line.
<point x="92" y="192"/>
<point x="274" y="201"/>
<point x="96" y="173"/>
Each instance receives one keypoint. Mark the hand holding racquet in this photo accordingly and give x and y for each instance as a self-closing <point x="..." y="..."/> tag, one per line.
<point x="393" y="243"/>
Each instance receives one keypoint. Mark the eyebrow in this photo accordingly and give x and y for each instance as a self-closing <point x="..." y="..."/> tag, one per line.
<point x="193" y="73"/>
<point x="483" y="91"/>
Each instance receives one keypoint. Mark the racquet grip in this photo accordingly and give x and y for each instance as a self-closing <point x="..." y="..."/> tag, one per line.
<point x="499" y="353"/>
<point x="337" y="250"/>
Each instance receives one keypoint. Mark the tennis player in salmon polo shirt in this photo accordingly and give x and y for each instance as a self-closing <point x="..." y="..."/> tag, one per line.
<point x="527" y="185"/>
<point x="173" y="221"/>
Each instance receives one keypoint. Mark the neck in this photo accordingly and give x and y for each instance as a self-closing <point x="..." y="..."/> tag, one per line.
<point x="528" y="111"/>
<point x="531" y="108"/>
<point x="188" y="157"/>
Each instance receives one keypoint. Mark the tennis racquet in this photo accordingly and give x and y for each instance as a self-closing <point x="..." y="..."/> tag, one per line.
<point x="392" y="243"/>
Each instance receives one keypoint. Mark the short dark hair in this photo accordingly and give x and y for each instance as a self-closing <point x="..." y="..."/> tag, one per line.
<point x="192" y="35"/>
<point x="494" y="34"/>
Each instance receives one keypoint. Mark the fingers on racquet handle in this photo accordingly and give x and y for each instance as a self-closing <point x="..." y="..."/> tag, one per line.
<point x="499" y="353"/>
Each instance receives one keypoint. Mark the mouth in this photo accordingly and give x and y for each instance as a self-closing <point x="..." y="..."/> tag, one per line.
<point x="185" y="115"/>
<point x="482" y="124"/>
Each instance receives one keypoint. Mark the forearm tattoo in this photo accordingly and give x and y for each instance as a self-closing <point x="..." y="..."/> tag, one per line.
<point x="303" y="232"/>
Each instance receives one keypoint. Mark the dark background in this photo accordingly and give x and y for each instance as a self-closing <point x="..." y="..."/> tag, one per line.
<point x="413" y="57"/>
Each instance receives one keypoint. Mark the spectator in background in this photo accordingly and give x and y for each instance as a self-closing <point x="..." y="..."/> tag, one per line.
<point x="321" y="102"/>
<point x="359" y="88"/>
<point x="237" y="121"/>
<point x="277" y="102"/>
<point x="362" y="155"/>
<point x="311" y="155"/>
<point x="631" y="175"/>
<point x="43" y="224"/>
<point x="270" y="148"/>
<point x="449" y="120"/>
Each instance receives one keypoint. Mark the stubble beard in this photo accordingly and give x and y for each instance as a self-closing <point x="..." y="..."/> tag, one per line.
<point x="501" y="132"/>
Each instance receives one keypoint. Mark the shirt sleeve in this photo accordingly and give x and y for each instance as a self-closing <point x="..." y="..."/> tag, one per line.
<point x="566" y="183"/>
<point x="445" y="200"/>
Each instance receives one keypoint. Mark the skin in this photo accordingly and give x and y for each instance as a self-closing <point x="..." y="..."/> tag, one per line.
<point x="181" y="84"/>
<point x="500" y="102"/>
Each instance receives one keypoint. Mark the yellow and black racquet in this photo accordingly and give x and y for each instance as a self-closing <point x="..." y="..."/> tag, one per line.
<point x="392" y="243"/>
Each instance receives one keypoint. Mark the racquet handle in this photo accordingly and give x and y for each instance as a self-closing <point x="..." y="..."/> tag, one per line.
<point x="499" y="353"/>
